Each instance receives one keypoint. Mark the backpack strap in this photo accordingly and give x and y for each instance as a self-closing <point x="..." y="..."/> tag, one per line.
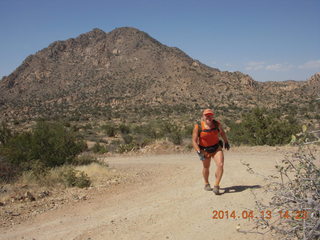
<point x="215" y="127"/>
<point x="199" y="128"/>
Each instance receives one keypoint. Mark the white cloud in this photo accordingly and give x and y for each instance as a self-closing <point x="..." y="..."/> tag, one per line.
<point x="278" y="67"/>
<point x="254" y="66"/>
<point x="315" y="64"/>
<point x="229" y="65"/>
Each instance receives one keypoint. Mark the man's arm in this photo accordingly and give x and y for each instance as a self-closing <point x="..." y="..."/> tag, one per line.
<point x="224" y="137"/>
<point x="195" y="138"/>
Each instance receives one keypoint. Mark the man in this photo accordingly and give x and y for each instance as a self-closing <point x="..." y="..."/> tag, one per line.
<point x="205" y="140"/>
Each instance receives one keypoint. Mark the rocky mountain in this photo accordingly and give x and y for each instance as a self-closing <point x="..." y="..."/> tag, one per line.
<point x="126" y="72"/>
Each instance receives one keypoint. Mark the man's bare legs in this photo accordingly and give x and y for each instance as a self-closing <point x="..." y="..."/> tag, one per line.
<point x="205" y="170"/>
<point x="218" y="157"/>
<point x="219" y="160"/>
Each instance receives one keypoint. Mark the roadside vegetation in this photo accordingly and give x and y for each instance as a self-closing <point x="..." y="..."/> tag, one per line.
<point x="295" y="192"/>
<point x="263" y="127"/>
<point x="49" y="145"/>
<point x="55" y="154"/>
<point x="51" y="153"/>
<point x="38" y="151"/>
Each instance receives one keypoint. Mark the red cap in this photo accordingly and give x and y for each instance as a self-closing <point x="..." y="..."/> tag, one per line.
<point x="208" y="112"/>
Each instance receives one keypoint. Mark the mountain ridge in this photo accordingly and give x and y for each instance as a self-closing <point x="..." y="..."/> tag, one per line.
<point x="128" y="69"/>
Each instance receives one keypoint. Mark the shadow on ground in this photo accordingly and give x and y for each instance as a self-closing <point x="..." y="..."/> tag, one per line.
<point x="239" y="188"/>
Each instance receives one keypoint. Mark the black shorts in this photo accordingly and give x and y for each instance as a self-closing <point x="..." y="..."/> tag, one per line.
<point x="213" y="148"/>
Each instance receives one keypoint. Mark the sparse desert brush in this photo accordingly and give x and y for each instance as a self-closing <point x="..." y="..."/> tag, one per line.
<point x="70" y="177"/>
<point x="109" y="129"/>
<point x="124" y="129"/>
<point x="295" y="202"/>
<point x="127" y="138"/>
<point x="84" y="159"/>
<point x="123" y="148"/>
<point x="98" y="172"/>
<point x="99" y="148"/>
<point x="175" y="138"/>
<point x="94" y="173"/>
<point x="63" y="176"/>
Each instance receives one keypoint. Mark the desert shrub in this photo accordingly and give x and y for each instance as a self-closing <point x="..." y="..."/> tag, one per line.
<point x="295" y="190"/>
<point x="175" y="138"/>
<point x="152" y="132"/>
<point x="98" y="148"/>
<point x="84" y="160"/>
<point x="142" y="141"/>
<point x="17" y="150"/>
<point x="167" y="127"/>
<point x="126" y="148"/>
<point x="38" y="170"/>
<point x="127" y="138"/>
<point x="54" y="145"/>
<point x="48" y="144"/>
<point x="8" y="171"/>
<point x="63" y="176"/>
<point x="109" y="129"/>
<point x="187" y="131"/>
<point x="148" y="130"/>
<point x="5" y="133"/>
<point x="73" y="178"/>
<point x="262" y="127"/>
<point x="114" y="145"/>
<point x="172" y="131"/>
<point x="124" y="129"/>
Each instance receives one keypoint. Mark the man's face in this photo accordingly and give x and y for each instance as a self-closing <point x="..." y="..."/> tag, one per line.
<point x="208" y="117"/>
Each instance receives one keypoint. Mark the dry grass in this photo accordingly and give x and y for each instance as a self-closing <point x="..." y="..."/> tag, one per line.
<point x="98" y="173"/>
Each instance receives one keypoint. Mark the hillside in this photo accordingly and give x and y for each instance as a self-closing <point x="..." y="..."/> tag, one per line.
<point x="127" y="72"/>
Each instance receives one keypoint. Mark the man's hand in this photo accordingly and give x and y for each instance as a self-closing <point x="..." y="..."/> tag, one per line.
<point x="226" y="145"/>
<point x="201" y="155"/>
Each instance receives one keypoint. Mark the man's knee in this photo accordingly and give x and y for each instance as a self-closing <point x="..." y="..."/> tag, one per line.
<point x="206" y="168"/>
<point x="220" y="164"/>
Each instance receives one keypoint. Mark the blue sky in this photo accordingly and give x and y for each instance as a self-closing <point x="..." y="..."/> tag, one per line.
<point x="271" y="40"/>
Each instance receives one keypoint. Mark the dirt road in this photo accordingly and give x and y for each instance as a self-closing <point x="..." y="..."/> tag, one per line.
<point x="169" y="203"/>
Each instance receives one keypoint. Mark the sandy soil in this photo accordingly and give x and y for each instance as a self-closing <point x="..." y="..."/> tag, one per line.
<point x="165" y="201"/>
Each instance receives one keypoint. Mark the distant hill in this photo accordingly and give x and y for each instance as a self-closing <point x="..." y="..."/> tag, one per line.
<point x="127" y="72"/>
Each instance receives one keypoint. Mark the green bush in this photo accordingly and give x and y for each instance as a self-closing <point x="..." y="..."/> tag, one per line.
<point x="127" y="138"/>
<point x="142" y="141"/>
<point x="175" y="138"/>
<point x="124" y="129"/>
<point x="8" y="171"/>
<point x="263" y="127"/>
<point x="18" y="150"/>
<point x="73" y="178"/>
<point x="187" y="131"/>
<point x="51" y="144"/>
<point x="38" y="170"/>
<point x="5" y="133"/>
<point x="98" y="148"/>
<point x="172" y="131"/>
<point x="54" y="145"/>
<point x="109" y="129"/>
